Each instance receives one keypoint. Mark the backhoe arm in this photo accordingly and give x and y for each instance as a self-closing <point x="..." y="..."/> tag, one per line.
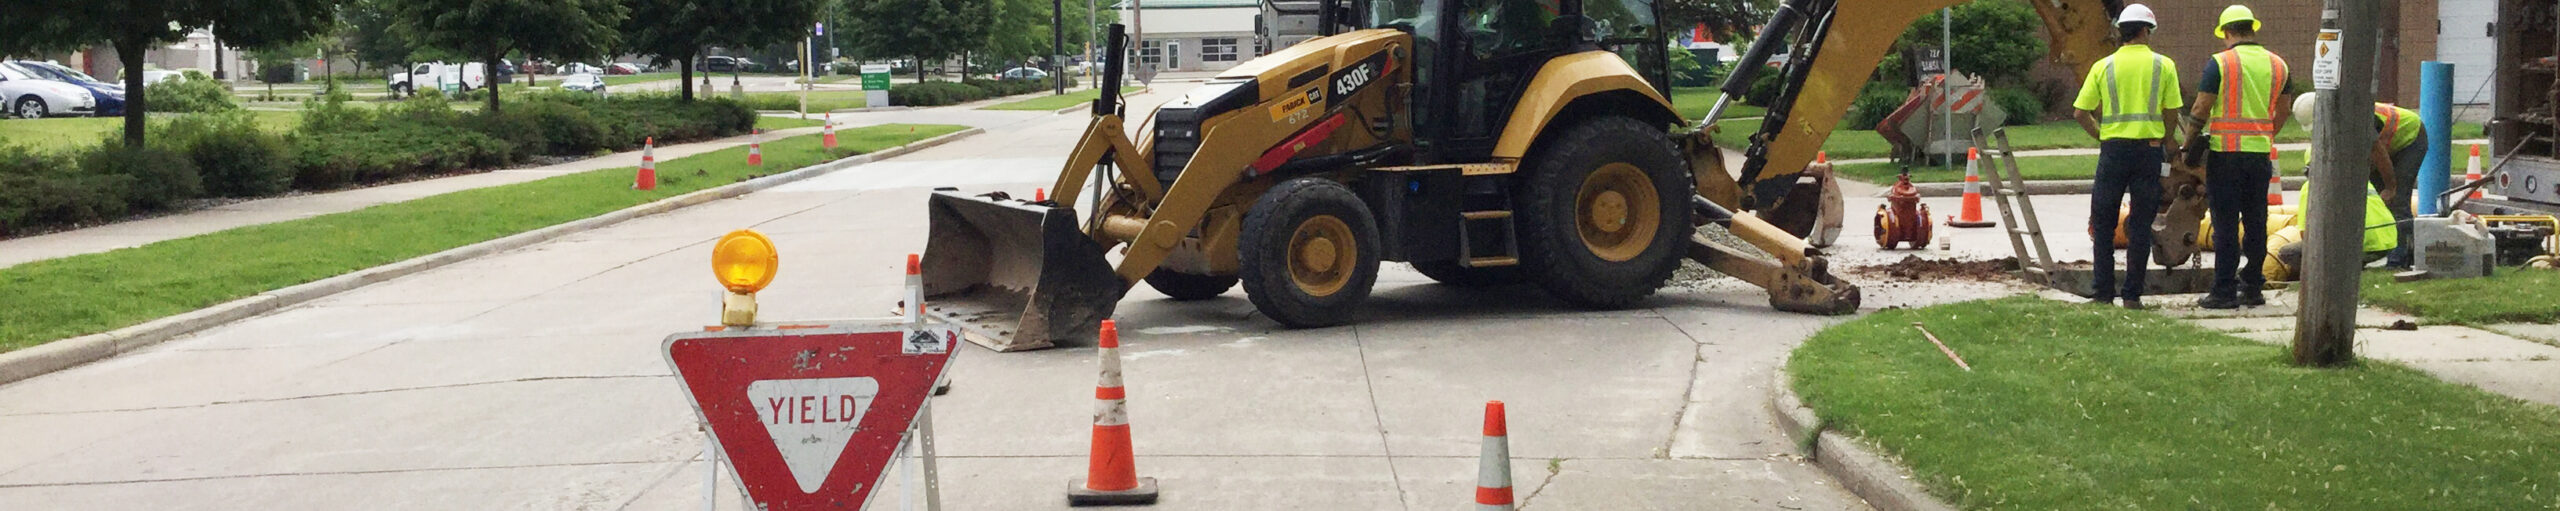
<point x="1836" y="45"/>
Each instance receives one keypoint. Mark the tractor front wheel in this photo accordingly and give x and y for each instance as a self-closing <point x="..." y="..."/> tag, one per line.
<point x="1308" y="253"/>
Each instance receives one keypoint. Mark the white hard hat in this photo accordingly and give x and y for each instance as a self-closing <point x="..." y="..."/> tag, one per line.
<point x="2137" y="13"/>
<point x="2305" y="108"/>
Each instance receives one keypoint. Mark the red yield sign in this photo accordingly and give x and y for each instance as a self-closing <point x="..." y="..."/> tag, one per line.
<point x="810" y="417"/>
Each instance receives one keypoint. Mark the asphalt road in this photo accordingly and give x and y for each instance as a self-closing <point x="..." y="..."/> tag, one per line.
<point x="532" y="380"/>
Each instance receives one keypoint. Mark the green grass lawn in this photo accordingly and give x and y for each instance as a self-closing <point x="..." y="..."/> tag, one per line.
<point x="2075" y="406"/>
<point x="2509" y="296"/>
<point x="1693" y="104"/>
<point x="2033" y="167"/>
<point x="612" y="80"/>
<point x="819" y="101"/>
<point x="770" y="123"/>
<point x="85" y="294"/>
<point x="71" y="132"/>
<point x="1865" y="143"/>
<point x="1055" y="102"/>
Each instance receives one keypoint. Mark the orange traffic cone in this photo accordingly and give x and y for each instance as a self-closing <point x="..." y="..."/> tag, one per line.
<point x="2472" y="175"/>
<point x="2275" y="177"/>
<point x="1970" y="215"/>
<point x="648" y="178"/>
<point x="755" y="148"/>
<point x="1493" y="468"/>
<point x="829" y="138"/>
<point x="1822" y="156"/>
<point x="1039" y="195"/>
<point x="1111" y="470"/>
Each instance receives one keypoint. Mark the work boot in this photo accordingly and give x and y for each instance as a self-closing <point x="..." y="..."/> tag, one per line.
<point x="2133" y="302"/>
<point x="2102" y="300"/>
<point x="2253" y="299"/>
<point x="2218" y="302"/>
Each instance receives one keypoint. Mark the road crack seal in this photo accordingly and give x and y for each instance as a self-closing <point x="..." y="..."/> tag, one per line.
<point x="1554" y="466"/>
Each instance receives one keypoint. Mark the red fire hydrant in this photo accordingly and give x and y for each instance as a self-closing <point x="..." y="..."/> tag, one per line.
<point x="1902" y="218"/>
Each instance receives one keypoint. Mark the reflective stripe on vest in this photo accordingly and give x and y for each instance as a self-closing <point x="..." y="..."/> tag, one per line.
<point x="2392" y="125"/>
<point x="2245" y="118"/>
<point x="2115" y="111"/>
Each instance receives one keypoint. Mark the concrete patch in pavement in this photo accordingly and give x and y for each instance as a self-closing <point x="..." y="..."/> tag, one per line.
<point x="1886" y="486"/>
<point x="33" y="361"/>
<point x="2531" y="380"/>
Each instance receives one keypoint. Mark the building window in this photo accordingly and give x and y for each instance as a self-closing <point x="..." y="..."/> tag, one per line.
<point x="1151" y="53"/>
<point x="1261" y="47"/>
<point x="1218" y="49"/>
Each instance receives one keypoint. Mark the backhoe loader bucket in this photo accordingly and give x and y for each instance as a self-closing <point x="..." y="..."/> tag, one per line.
<point x="1015" y="275"/>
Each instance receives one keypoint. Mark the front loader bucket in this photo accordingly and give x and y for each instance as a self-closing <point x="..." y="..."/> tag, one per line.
<point x="1013" y="275"/>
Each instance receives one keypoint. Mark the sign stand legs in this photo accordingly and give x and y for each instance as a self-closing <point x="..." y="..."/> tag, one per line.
<point x="710" y="474"/>
<point x="932" y="477"/>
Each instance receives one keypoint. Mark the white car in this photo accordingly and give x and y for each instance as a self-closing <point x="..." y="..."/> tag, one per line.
<point x="583" y="82"/>
<point x="33" y="98"/>
<point x="577" y="68"/>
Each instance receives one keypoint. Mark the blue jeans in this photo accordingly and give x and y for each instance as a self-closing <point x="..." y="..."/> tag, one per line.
<point x="2124" y="167"/>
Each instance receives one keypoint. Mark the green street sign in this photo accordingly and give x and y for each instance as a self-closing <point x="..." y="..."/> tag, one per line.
<point x="875" y="77"/>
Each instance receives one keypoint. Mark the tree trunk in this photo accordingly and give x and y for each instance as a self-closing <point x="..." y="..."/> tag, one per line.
<point x="919" y="69"/>
<point x="684" y="73"/>
<point x="129" y="51"/>
<point x="487" y="76"/>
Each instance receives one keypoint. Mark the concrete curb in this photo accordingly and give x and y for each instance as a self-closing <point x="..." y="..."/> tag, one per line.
<point x="67" y="353"/>
<point x="2041" y="187"/>
<point x="1884" y="485"/>
<point x="1088" y="105"/>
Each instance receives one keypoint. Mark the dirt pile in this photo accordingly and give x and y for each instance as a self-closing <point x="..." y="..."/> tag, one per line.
<point x="1916" y="269"/>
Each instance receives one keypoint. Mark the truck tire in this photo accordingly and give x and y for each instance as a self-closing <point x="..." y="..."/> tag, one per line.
<point x="1451" y="273"/>
<point x="1603" y="212"/>
<point x="1308" y="253"/>
<point x="1184" y="287"/>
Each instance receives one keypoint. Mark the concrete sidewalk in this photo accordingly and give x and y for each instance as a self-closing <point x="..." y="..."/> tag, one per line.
<point x="136" y="233"/>
<point x="2521" y="361"/>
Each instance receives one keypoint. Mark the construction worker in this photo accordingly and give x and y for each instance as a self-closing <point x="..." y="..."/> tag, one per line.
<point x="2381" y="230"/>
<point x="2396" y="154"/>
<point x="2129" y="102"/>
<point x="2242" y="101"/>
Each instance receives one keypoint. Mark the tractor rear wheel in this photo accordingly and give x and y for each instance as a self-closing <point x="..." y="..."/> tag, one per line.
<point x="1184" y="287"/>
<point x="1452" y="273"/>
<point x="1603" y="212"/>
<point x="1308" y="253"/>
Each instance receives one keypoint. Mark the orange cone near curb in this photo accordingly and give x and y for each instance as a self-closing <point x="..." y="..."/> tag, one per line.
<point x="2275" y="177"/>
<point x="2472" y="175"/>
<point x="1493" y="470"/>
<point x="1111" y="470"/>
<point x="755" y="148"/>
<point x="648" y="178"/>
<point x="1039" y="195"/>
<point x="1971" y="214"/>
<point x="829" y="138"/>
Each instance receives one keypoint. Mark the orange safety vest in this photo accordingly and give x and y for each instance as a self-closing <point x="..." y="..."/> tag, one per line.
<point x="2244" y="119"/>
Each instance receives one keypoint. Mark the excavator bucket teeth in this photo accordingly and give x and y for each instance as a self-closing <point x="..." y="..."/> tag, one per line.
<point x="1014" y="275"/>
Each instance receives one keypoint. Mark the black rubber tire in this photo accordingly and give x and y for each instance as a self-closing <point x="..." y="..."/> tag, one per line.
<point x="1552" y="250"/>
<point x="1184" y="287"/>
<point x="1449" y="272"/>
<point x="30" y="107"/>
<point x="1263" y="252"/>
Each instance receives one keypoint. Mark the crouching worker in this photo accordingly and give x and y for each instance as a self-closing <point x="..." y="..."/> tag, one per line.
<point x="2381" y="235"/>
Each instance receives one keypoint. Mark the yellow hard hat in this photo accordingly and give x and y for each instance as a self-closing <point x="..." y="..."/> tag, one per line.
<point x="2235" y="13"/>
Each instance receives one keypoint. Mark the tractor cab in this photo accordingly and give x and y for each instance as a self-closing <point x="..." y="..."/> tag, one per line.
<point x="1474" y="58"/>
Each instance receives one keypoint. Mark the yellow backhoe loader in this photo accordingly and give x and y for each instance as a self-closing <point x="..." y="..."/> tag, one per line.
<point x="1481" y="141"/>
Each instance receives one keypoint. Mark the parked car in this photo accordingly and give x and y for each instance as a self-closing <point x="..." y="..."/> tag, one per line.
<point x="439" y="76"/>
<point x="720" y="64"/>
<point x="152" y="76"/>
<point x="1023" y="73"/>
<point x="620" y="68"/>
<point x="110" y="96"/>
<point x="577" y="68"/>
<point x="583" y="82"/>
<point x="31" y="97"/>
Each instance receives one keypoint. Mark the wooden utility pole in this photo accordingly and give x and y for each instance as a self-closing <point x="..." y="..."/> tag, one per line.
<point x="2325" y="325"/>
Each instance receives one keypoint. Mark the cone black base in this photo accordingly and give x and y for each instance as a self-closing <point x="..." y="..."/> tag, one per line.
<point x="1144" y="494"/>
<point x="1960" y="223"/>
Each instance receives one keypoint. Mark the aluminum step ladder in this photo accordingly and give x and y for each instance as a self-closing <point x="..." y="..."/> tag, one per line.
<point x="2007" y="187"/>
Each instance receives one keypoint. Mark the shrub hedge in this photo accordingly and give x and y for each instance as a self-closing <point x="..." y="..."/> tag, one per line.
<point x="190" y="91"/>
<point x="950" y="93"/>
<point x="335" y="145"/>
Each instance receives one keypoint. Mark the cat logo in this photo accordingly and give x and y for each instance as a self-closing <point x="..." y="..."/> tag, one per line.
<point x="1294" y="108"/>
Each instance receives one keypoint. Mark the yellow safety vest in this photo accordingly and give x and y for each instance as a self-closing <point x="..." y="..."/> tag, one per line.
<point x="2244" y="117"/>
<point x="2402" y="124"/>
<point x="2381" y="230"/>
<point x="2133" y="72"/>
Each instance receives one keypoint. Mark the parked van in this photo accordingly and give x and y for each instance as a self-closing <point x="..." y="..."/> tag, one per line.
<point x="450" y="78"/>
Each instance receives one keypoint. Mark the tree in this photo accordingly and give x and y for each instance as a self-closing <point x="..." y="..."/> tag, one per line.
<point x="676" y="31"/>
<point x="489" y="29"/>
<point x="370" y="38"/>
<point x="1998" y="39"/>
<point x="929" y="30"/>
<point x="133" y="26"/>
